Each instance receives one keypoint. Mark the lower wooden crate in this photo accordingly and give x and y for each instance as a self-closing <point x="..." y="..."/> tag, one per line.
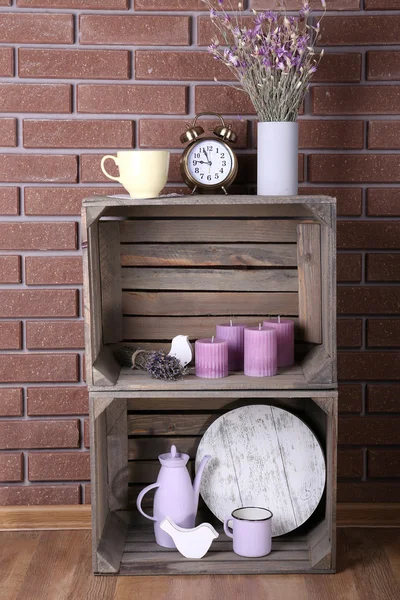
<point x="130" y="429"/>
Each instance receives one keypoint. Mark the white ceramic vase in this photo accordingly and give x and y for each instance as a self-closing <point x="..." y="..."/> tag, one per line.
<point x="277" y="159"/>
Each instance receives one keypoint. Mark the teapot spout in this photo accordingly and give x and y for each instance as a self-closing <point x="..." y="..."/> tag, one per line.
<point x="197" y="479"/>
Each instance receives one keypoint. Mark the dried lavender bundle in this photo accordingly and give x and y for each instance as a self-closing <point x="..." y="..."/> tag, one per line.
<point x="159" y="364"/>
<point x="273" y="59"/>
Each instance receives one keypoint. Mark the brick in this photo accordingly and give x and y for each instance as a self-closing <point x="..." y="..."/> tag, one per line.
<point x="383" y="267"/>
<point x="138" y="99"/>
<point x="160" y="5"/>
<point x="58" y="466"/>
<point x="94" y="133"/>
<point x="87" y="493"/>
<point x="368" y="300"/>
<point x="368" y="365"/>
<point x="350" y="463"/>
<point x="38" y="236"/>
<point x="368" y="234"/>
<point x="35" y="368"/>
<point x="35" y="97"/>
<point x="38" y="303"/>
<point x="383" y="333"/>
<point x="135" y="30"/>
<point x="207" y="31"/>
<point x="6" y="62"/>
<point x="314" y="4"/>
<point x="331" y="134"/>
<point x="11" y="466"/>
<point x="80" y="4"/>
<point x="165" y="133"/>
<point x="383" y="463"/>
<point x="86" y="434"/>
<point x="10" y="269"/>
<point x="38" y="168"/>
<point x="382" y="4"/>
<point x="349" y="267"/>
<point x="356" y="100"/>
<point x="383" y="202"/>
<point x="349" y="200"/>
<point x="60" y="201"/>
<point x="43" y="401"/>
<point x="10" y="335"/>
<point x="39" y="495"/>
<point x="11" y="402"/>
<point x="384" y="135"/>
<point x="349" y="333"/>
<point x="9" y="201"/>
<point x="36" y="28"/>
<point x="354" y="168"/>
<point x="340" y="68"/>
<point x="368" y="491"/>
<point x="383" y="398"/>
<point x="39" y="434"/>
<point x="383" y="66"/>
<point x="368" y="430"/>
<point x="53" y="270"/>
<point x="74" y="64"/>
<point x="360" y="30"/>
<point x="227" y="99"/>
<point x="8" y="132"/>
<point x="179" y="66"/>
<point x="350" y="398"/>
<point x="42" y="335"/>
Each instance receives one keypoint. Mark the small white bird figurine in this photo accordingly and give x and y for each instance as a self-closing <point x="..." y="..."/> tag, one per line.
<point x="182" y="349"/>
<point x="191" y="543"/>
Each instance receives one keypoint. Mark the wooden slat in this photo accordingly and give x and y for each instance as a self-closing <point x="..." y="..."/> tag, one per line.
<point x="229" y="280"/>
<point x="117" y="457"/>
<point x="165" y="328"/>
<point x="208" y="303"/>
<point x="110" y="274"/>
<point x="309" y="272"/>
<point x="213" y="210"/>
<point x="167" y="424"/>
<point x="159" y="558"/>
<point x="207" y="255"/>
<point x="92" y="295"/>
<point x="194" y="230"/>
<point x="150" y="448"/>
<point x="222" y="404"/>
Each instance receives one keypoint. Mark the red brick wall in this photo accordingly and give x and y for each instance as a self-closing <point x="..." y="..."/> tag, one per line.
<point x="80" y="78"/>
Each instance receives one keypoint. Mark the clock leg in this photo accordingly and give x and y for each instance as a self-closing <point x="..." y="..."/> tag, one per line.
<point x="194" y="190"/>
<point x="224" y="190"/>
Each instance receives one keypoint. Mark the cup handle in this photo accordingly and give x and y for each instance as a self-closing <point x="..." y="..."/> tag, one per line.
<point x="142" y="493"/>
<point x="103" y="160"/>
<point x="226" y="527"/>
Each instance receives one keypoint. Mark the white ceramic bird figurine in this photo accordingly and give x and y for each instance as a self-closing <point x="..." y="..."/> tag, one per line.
<point x="182" y="349"/>
<point x="191" y="543"/>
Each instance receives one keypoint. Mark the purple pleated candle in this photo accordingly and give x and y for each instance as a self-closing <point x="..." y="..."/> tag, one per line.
<point x="260" y="352"/>
<point x="211" y="357"/>
<point x="233" y="333"/>
<point x="285" y="338"/>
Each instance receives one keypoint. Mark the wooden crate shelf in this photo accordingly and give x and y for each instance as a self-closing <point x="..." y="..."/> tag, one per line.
<point x="160" y="267"/>
<point x="129" y="431"/>
<point x="181" y="264"/>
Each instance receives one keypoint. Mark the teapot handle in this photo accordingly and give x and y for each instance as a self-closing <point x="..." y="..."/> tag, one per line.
<point x="140" y="498"/>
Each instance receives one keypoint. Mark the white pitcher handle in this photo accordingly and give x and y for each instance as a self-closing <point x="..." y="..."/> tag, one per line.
<point x="142" y="493"/>
<point x="103" y="160"/>
<point x="226" y="527"/>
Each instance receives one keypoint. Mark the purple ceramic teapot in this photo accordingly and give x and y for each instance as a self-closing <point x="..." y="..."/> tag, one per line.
<point x="175" y="497"/>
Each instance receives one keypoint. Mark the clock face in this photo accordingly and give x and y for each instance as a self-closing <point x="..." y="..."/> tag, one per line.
<point x="209" y="162"/>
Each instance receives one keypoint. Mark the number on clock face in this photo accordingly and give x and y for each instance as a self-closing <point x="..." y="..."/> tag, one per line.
<point x="209" y="162"/>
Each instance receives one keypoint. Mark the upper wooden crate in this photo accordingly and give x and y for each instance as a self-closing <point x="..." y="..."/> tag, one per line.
<point x="155" y="268"/>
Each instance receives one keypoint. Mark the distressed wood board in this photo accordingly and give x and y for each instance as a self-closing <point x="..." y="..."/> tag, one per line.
<point x="262" y="456"/>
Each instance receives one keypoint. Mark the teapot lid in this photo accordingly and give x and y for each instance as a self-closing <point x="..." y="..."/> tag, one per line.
<point x="173" y="458"/>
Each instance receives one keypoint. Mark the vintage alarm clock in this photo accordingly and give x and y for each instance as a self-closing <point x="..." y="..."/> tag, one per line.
<point x="208" y="163"/>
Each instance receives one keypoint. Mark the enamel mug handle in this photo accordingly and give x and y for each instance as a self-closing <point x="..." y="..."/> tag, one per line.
<point x="103" y="160"/>
<point x="140" y="498"/>
<point x="226" y="527"/>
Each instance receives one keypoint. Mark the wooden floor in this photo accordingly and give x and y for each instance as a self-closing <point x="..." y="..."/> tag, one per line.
<point x="56" y="565"/>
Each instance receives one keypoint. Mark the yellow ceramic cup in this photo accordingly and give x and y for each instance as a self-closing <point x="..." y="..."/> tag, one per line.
<point x="143" y="173"/>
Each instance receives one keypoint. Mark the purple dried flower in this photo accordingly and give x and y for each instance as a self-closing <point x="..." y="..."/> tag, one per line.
<point x="213" y="13"/>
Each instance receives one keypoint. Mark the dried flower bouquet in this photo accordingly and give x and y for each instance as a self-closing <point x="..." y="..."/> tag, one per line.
<point x="273" y="59"/>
